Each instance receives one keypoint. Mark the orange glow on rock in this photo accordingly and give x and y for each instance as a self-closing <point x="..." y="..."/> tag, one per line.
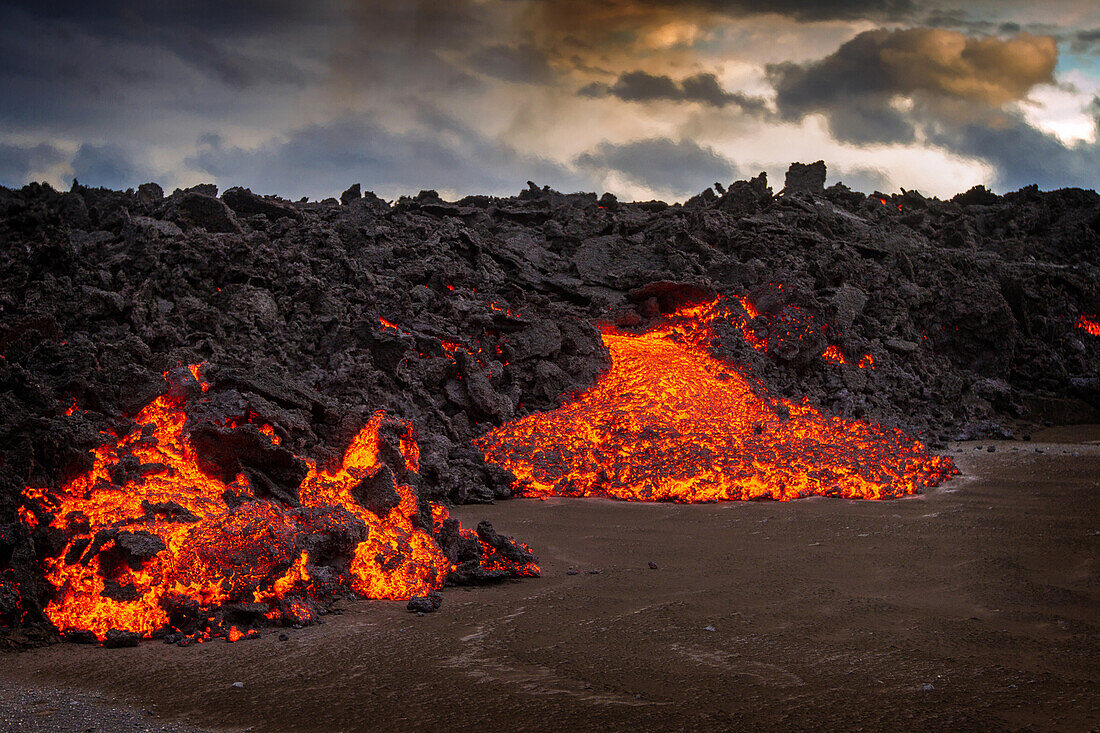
<point x="27" y="517"/>
<point x="501" y="309"/>
<point x="1089" y="324"/>
<point x="492" y="559"/>
<point x="669" y="422"/>
<point x="397" y="560"/>
<point x="834" y="354"/>
<point x="194" y="369"/>
<point x="270" y="433"/>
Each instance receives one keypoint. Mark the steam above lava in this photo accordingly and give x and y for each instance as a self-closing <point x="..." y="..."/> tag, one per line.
<point x="668" y="422"/>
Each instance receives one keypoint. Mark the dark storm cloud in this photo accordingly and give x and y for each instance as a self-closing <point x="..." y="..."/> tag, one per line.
<point x="808" y="10"/>
<point x="1086" y="42"/>
<point x="580" y="14"/>
<point x="62" y="77"/>
<point x="205" y="34"/>
<point x="929" y="61"/>
<point x="960" y="20"/>
<point x="18" y="162"/>
<point x="984" y="25"/>
<point x="602" y="34"/>
<point x="134" y="82"/>
<point x="243" y="17"/>
<point x="682" y="167"/>
<point x="1023" y="155"/>
<point x="943" y="72"/>
<point x="639" y="86"/>
<point x="438" y="152"/>
<point x="960" y="88"/>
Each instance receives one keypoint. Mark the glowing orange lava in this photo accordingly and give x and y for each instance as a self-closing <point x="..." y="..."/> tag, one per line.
<point x="834" y="354"/>
<point x="149" y="531"/>
<point x="1089" y="324"/>
<point x="397" y="560"/>
<point x="497" y="307"/>
<point x="668" y="422"/>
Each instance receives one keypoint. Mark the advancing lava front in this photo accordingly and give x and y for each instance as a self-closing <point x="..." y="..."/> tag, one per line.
<point x="669" y="422"/>
<point x="191" y="530"/>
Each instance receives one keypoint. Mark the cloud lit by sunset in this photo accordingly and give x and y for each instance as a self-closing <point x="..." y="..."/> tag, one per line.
<point x="639" y="97"/>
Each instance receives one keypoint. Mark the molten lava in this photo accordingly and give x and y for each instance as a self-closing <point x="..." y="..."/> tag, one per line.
<point x="396" y="561"/>
<point x="153" y="539"/>
<point x="1089" y="324"/>
<point x="668" y="422"/>
<point x="834" y="354"/>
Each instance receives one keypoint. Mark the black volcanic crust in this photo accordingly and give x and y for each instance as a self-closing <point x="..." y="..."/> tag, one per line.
<point x="968" y="307"/>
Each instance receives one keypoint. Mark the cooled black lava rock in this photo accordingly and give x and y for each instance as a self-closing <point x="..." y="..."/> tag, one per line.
<point x="505" y="545"/>
<point x="329" y="534"/>
<point x="472" y="573"/>
<point x="138" y="547"/>
<point x="245" y="203"/>
<point x="377" y="492"/>
<point x="805" y="178"/>
<point x="226" y="452"/>
<point x="354" y="193"/>
<point x="425" y="604"/>
<point x="117" y="592"/>
<point x="457" y="547"/>
<point x="193" y="209"/>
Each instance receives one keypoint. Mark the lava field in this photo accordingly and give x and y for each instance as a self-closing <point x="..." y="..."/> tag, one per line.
<point x="221" y="412"/>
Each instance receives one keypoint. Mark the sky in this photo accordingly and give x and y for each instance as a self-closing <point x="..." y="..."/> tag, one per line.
<point x="643" y="98"/>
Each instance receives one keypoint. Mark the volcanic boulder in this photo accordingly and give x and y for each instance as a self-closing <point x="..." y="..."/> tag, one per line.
<point x="425" y="604"/>
<point x="803" y="178"/>
<point x="377" y="491"/>
<point x="227" y="452"/>
<point x="193" y="209"/>
<point x="245" y="203"/>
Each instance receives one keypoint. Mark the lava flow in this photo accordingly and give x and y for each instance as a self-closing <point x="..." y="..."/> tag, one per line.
<point x="157" y="539"/>
<point x="668" y="422"/>
<point x="1089" y="324"/>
